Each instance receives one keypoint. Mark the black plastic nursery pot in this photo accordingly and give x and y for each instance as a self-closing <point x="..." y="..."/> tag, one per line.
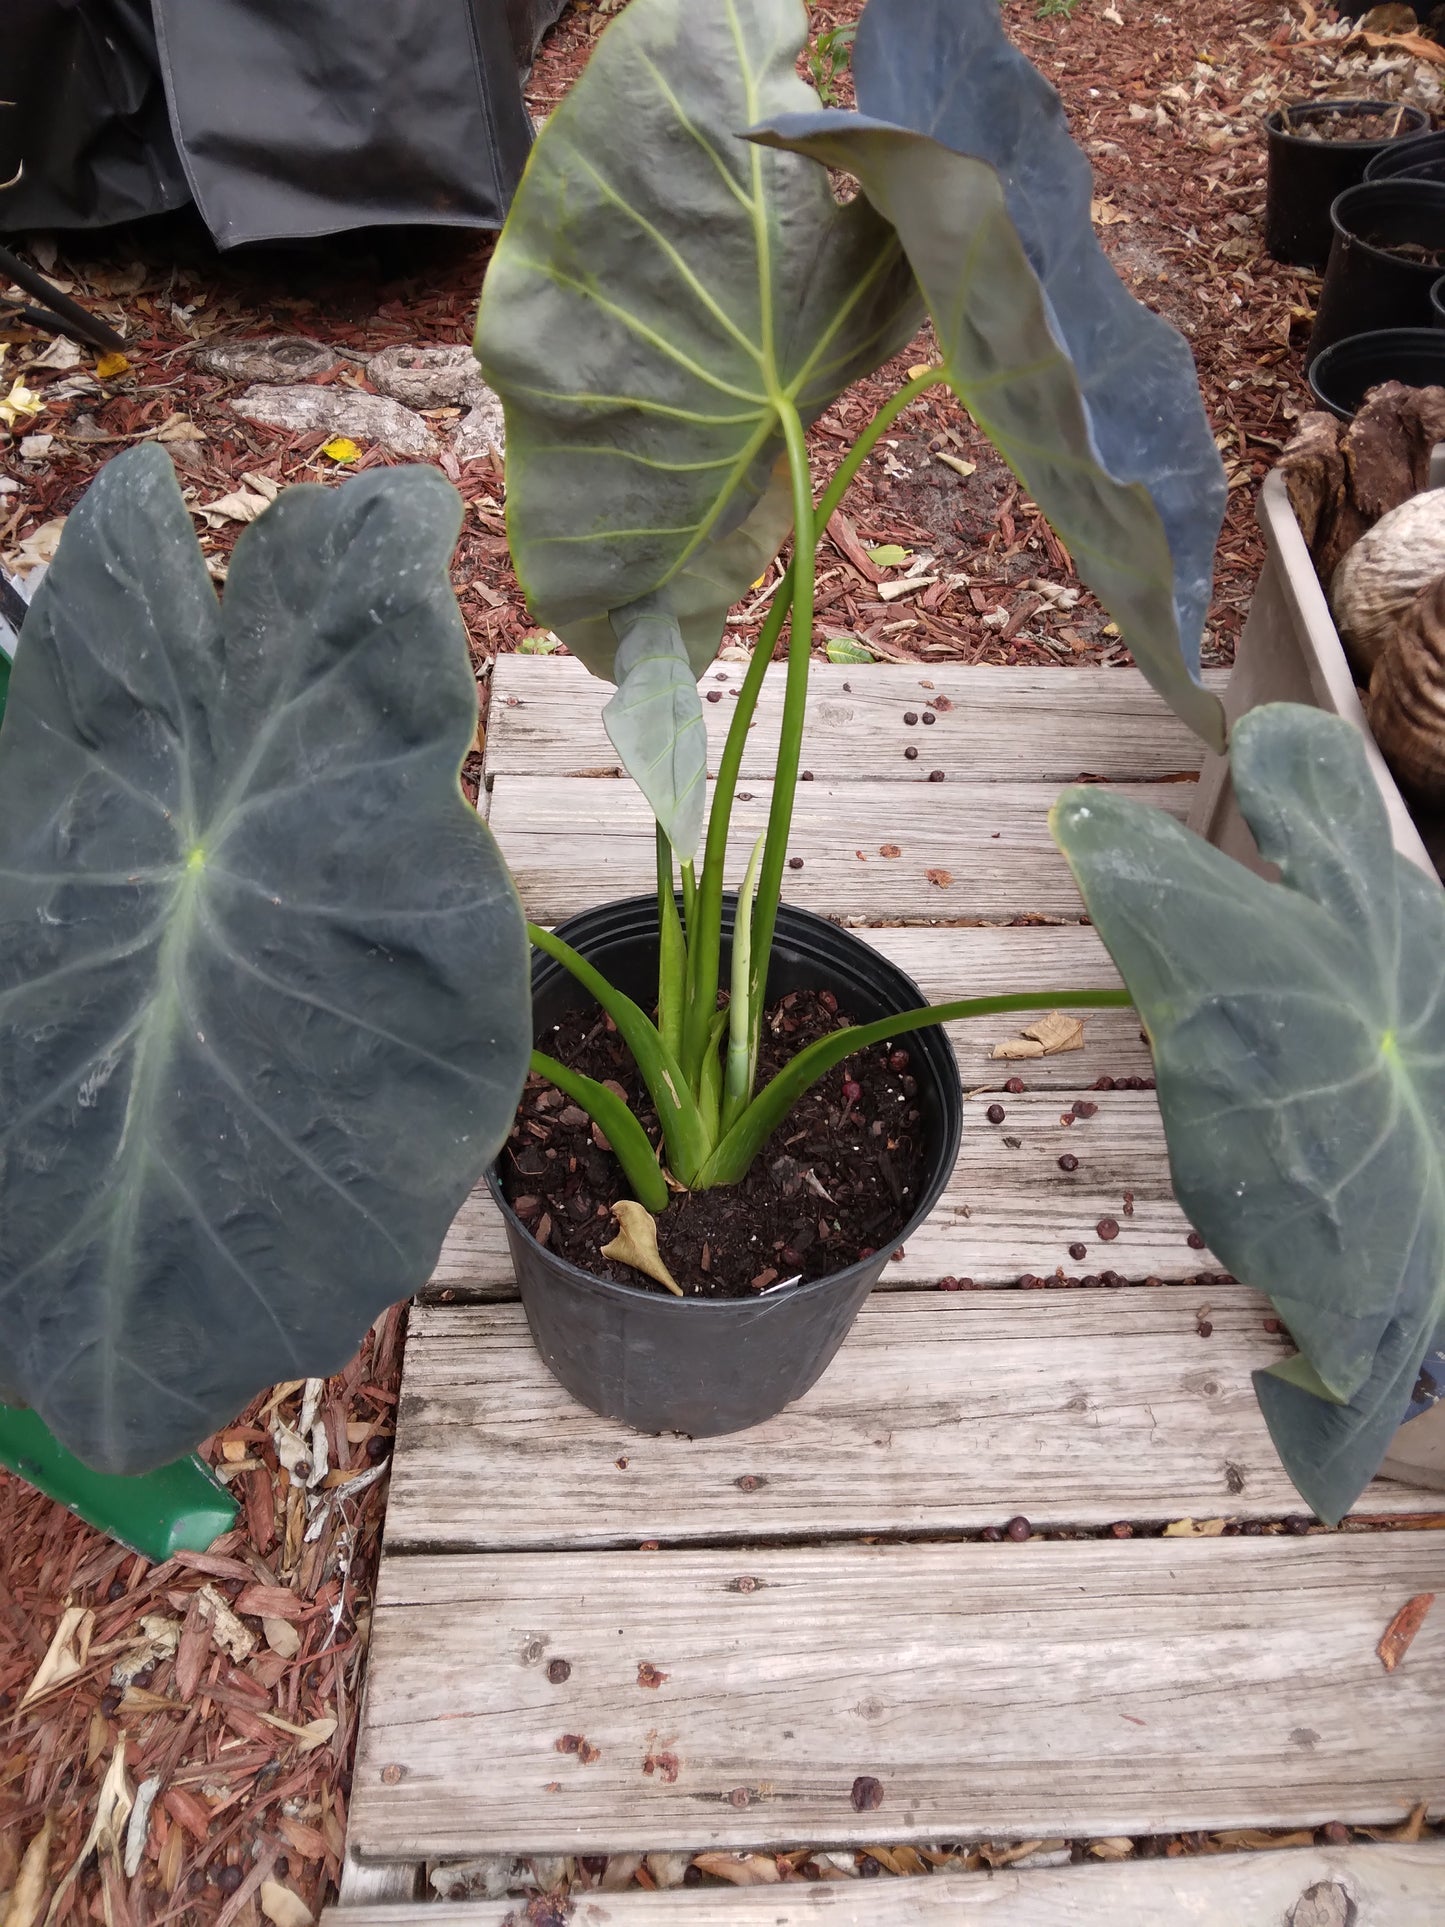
<point x="1343" y="375"/>
<point x="704" y="1366"/>
<point x="1306" y="175"/>
<point x="1422" y="157"/>
<point x="1366" y="286"/>
<point x="1437" y="302"/>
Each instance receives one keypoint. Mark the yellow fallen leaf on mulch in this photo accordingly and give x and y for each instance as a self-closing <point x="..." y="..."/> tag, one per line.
<point x="31" y="1881"/>
<point x="1194" y="1529"/>
<point x="283" y="1906"/>
<point x="939" y="878"/>
<point x="1115" y="1847"/>
<point x="341" y="448"/>
<point x="1395" y="1640"/>
<point x="1104" y="214"/>
<point x="109" y="366"/>
<point x="20" y="403"/>
<point x="68" y="1652"/>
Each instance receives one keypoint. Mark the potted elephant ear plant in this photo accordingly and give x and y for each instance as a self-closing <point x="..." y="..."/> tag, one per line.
<point x="677" y="294"/>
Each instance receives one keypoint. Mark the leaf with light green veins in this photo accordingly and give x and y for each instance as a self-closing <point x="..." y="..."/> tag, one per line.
<point x="655" y="722"/>
<point x="1298" y="1031"/>
<point x="264" y="998"/>
<point x="660" y="286"/>
<point x="1091" y="399"/>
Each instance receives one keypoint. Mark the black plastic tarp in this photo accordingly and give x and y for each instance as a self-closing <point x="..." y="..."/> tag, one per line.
<point x="282" y="119"/>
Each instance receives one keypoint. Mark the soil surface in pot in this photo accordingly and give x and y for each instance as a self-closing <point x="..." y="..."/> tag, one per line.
<point x="836" y="1182"/>
<point x="1408" y="251"/>
<point x="1314" y="125"/>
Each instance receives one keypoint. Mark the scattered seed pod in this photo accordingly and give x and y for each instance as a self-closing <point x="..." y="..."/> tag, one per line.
<point x="1194" y="1241"/>
<point x="910" y="716"/>
<point x="795" y="863"/>
<point x="912" y="752"/>
<point x="928" y="716"/>
<point x="1015" y="1085"/>
<point x="935" y="776"/>
<point x="714" y="695"/>
<point x="1078" y="1251"/>
<point x="996" y="1114"/>
<point x="899" y="1060"/>
<point x="805" y="776"/>
<point x="1083" y="1108"/>
<point x="852" y="1091"/>
<point x="1068" y="1162"/>
<point x="1107" y="1229"/>
<point x="1019" y="1529"/>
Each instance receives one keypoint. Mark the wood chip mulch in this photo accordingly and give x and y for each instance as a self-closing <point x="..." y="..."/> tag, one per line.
<point x="223" y="1689"/>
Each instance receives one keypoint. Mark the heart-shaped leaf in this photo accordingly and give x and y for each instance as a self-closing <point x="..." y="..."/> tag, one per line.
<point x="655" y="722"/>
<point x="264" y="1009"/>
<point x="659" y="288"/>
<point x="1298" y="1031"/>
<point x="1090" y="398"/>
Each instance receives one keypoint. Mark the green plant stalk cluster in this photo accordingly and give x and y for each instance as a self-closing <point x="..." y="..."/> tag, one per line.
<point x="714" y="1123"/>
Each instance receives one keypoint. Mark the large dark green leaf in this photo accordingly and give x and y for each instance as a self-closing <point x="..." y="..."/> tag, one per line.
<point x="660" y="287"/>
<point x="1091" y="399"/>
<point x="1299" y="1041"/>
<point x="263" y="976"/>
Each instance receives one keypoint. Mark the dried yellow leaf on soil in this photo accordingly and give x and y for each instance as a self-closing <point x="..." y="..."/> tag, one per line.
<point x="1116" y="1847"/>
<point x="636" y="1243"/>
<point x="341" y="448"/>
<point x="1194" y="1529"/>
<point x="281" y="1637"/>
<point x="109" y="366"/>
<point x="1057" y="1032"/>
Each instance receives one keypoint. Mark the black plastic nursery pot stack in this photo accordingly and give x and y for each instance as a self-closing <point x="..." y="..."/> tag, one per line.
<point x="1367" y="284"/>
<point x="1307" y="174"/>
<point x="1422" y="158"/>
<point x="1344" y="373"/>
<point x="705" y="1366"/>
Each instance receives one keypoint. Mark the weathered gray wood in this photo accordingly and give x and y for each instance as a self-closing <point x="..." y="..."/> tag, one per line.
<point x="572" y="843"/>
<point x="942" y="1412"/>
<point x="369" y="1884"/>
<point x="1009" y="725"/>
<point x="1049" y="1689"/>
<point x="1387" y="1886"/>
<point x="1008" y="1211"/>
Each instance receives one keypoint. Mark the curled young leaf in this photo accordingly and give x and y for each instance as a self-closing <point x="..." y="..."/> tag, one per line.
<point x="264" y="1010"/>
<point x="1298" y="1031"/>
<point x="1090" y="398"/>
<point x="660" y="289"/>
<point x="655" y="722"/>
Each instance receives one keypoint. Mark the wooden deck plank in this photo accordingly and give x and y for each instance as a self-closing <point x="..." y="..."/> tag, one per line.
<point x="1008" y="1211"/>
<point x="1053" y="1688"/>
<point x="1388" y="1886"/>
<point x="571" y="842"/>
<point x="1005" y="725"/>
<point x="941" y="1413"/>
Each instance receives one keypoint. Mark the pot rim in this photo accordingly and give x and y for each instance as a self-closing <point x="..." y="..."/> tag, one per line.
<point x="1430" y="194"/>
<point x="1421" y="337"/>
<point x="726" y="1307"/>
<point x="1278" y="132"/>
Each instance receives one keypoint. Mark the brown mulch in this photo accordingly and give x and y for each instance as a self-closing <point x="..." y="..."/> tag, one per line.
<point x="1167" y="105"/>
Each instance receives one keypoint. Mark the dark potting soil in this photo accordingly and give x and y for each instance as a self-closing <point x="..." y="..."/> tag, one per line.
<point x="834" y="1183"/>
<point x="1313" y="125"/>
